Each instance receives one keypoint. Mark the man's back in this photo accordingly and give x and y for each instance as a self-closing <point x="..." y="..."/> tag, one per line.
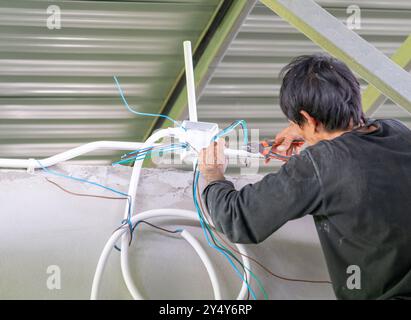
<point x="364" y="222"/>
<point x="356" y="187"/>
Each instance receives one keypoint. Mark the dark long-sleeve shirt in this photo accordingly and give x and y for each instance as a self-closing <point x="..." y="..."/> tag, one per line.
<point x="358" y="189"/>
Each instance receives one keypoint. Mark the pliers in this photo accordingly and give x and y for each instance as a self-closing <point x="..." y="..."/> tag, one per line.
<point x="266" y="148"/>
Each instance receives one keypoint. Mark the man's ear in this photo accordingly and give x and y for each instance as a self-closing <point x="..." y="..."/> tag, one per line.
<point x="309" y="120"/>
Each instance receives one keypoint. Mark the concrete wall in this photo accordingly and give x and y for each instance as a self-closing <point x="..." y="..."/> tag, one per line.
<point x="42" y="226"/>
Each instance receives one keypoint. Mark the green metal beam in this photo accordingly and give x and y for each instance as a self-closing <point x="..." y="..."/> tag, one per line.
<point x="214" y="52"/>
<point x="372" y="98"/>
<point x="334" y="37"/>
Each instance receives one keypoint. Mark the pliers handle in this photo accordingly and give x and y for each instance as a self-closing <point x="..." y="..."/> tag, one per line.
<point x="266" y="148"/>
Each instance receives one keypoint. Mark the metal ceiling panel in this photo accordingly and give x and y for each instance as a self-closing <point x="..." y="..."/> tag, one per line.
<point x="56" y="86"/>
<point x="246" y="84"/>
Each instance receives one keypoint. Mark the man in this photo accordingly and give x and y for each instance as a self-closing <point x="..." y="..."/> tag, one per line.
<point x="354" y="178"/>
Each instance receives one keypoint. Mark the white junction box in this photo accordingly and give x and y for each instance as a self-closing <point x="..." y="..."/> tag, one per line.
<point x="198" y="135"/>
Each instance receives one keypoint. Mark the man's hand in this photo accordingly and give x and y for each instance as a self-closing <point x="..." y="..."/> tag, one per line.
<point x="212" y="162"/>
<point x="285" y="141"/>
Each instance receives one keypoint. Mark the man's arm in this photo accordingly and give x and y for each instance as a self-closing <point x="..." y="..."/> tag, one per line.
<point x="253" y="213"/>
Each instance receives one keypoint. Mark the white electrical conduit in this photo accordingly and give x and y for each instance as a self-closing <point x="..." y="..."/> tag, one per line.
<point x="114" y="145"/>
<point x="181" y="214"/>
<point x="125" y="264"/>
<point x="90" y="147"/>
<point x="132" y="191"/>
<point x="69" y="154"/>
<point x="166" y="213"/>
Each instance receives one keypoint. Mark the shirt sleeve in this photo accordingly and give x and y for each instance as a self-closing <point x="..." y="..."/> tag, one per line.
<point x="253" y="213"/>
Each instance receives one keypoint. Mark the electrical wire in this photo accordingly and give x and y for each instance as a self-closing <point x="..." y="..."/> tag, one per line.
<point x="231" y="127"/>
<point x="157" y="227"/>
<point x="135" y="226"/>
<point x="258" y="263"/>
<point x="84" y="194"/>
<point x="148" y="149"/>
<point x="179" y="231"/>
<point x="123" y="98"/>
<point x="205" y="230"/>
<point x="125" y="221"/>
<point x="207" y="221"/>
<point x="219" y="247"/>
<point x="146" y="154"/>
<point x="138" y="223"/>
<point x="244" y="127"/>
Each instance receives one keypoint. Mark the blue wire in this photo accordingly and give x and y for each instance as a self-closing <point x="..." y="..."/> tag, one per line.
<point x="143" y="155"/>
<point x="80" y="180"/>
<point x="184" y="145"/>
<point x="232" y="127"/>
<point x="137" y="151"/>
<point x="128" y="220"/>
<point x="219" y="135"/>
<point x="123" y="98"/>
<point x="212" y="245"/>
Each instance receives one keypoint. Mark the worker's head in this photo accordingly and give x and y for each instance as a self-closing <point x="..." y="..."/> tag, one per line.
<point x="321" y="96"/>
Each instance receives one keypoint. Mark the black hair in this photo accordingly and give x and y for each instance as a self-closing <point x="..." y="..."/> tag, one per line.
<point x="325" y="88"/>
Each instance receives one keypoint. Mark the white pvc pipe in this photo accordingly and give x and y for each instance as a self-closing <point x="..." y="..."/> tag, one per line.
<point x="191" y="89"/>
<point x="90" y="147"/>
<point x="124" y="256"/>
<point x="206" y="261"/>
<point x="70" y="154"/>
<point x="113" y="145"/>
<point x="161" y="213"/>
<point x="185" y="234"/>
<point x="135" y="176"/>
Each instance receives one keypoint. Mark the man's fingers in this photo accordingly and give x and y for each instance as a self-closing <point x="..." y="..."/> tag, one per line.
<point x="201" y="157"/>
<point x="213" y="154"/>
<point x="285" y="144"/>
<point x="209" y="159"/>
<point x="220" y="151"/>
<point x="298" y="149"/>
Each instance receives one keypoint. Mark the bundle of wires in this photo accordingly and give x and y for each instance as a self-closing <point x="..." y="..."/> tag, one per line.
<point x="231" y="127"/>
<point x="141" y="155"/>
<point x="216" y="244"/>
<point x="146" y="153"/>
<point x="208" y="232"/>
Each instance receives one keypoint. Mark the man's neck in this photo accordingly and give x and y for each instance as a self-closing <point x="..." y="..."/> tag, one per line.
<point x="362" y="128"/>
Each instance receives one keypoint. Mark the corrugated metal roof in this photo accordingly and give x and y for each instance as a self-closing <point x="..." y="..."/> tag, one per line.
<point x="56" y="90"/>
<point x="56" y="86"/>
<point x="246" y="84"/>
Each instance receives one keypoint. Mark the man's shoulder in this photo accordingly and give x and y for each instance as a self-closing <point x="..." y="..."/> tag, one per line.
<point x="394" y="124"/>
<point x="330" y="154"/>
<point x="321" y="149"/>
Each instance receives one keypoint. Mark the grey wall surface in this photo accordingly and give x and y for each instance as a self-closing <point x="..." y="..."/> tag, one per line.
<point x="40" y="226"/>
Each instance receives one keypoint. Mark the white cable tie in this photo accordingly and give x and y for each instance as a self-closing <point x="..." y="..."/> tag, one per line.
<point x="32" y="166"/>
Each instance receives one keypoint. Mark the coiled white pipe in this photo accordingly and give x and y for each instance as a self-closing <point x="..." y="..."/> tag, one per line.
<point x="206" y="261"/>
<point x="188" y="215"/>
<point x="124" y="256"/>
<point x="162" y="213"/>
<point x="115" y="145"/>
<point x="135" y="176"/>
